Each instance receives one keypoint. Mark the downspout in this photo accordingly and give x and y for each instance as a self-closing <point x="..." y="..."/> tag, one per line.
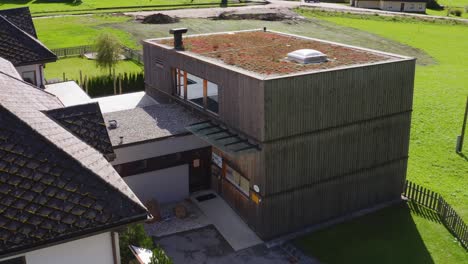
<point x="41" y="78"/>
<point x="115" y="249"/>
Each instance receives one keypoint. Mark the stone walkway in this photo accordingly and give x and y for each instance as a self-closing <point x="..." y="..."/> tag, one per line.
<point x="172" y="225"/>
<point x="207" y="245"/>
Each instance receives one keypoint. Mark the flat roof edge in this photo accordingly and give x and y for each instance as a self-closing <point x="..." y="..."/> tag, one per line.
<point x="393" y="57"/>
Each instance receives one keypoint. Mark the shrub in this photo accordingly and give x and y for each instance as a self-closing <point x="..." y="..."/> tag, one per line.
<point x="135" y="235"/>
<point x="432" y="4"/>
<point x="104" y="85"/>
<point x="456" y="12"/>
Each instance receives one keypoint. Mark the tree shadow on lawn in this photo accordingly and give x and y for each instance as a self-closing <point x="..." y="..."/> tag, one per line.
<point x="387" y="236"/>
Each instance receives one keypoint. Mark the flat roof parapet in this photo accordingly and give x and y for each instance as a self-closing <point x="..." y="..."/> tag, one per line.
<point x="265" y="52"/>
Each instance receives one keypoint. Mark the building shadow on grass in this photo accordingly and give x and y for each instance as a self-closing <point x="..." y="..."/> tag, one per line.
<point x="424" y="212"/>
<point x="387" y="236"/>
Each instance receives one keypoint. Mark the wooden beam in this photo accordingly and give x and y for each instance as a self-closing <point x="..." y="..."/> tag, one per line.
<point x="185" y="85"/>
<point x="205" y="94"/>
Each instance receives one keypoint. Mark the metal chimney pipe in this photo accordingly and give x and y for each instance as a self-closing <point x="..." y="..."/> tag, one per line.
<point x="178" y="42"/>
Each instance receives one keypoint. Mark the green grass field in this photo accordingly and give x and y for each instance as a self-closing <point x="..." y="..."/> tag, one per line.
<point x="44" y="6"/>
<point x="392" y="235"/>
<point x="458" y="3"/>
<point x="72" y="67"/>
<point x="444" y="13"/>
<point x="60" y="32"/>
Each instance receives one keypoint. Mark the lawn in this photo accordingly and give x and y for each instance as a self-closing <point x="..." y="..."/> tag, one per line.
<point x="44" y="6"/>
<point x="444" y="13"/>
<point x="458" y="3"/>
<point x="392" y="235"/>
<point x="72" y="67"/>
<point x="60" y="32"/>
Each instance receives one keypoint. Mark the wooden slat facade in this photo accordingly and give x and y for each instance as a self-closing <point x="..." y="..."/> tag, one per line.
<point x="240" y="96"/>
<point x="332" y="142"/>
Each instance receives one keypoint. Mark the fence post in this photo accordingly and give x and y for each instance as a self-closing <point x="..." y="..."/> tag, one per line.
<point x="120" y="83"/>
<point x="81" y="78"/>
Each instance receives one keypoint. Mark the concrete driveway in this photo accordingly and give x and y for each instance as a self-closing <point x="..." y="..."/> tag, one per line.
<point x="207" y="245"/>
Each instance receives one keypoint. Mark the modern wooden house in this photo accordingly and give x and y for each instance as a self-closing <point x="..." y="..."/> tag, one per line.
<point x="302" y="130"/>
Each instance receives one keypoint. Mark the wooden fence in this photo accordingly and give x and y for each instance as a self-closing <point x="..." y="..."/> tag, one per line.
<point x="436" y="202"/>
<point x="80" y="50"/>
<point x="73" y="51"/>
<point x="133" y="54"/>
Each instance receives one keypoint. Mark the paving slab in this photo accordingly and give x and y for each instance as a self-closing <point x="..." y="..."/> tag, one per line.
<point x="229" y="224"/>
<point x="207" y="245"/>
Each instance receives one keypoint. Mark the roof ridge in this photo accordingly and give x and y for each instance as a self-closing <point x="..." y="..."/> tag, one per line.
<point x="70" y="156"/>
<point x="37" y="41"/>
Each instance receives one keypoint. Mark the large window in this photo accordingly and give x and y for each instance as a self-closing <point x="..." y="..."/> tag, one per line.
<point x="196" y="90"/>
<point x="242" y="183"/>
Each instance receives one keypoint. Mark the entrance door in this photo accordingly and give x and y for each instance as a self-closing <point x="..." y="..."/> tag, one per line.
<point x="200" y="171"/>
<point x="402" y="7"/>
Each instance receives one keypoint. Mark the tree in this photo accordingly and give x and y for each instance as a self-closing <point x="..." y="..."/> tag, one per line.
<point x="108" y="49"/>
<point x="160" y="257"/>
<point x="136" y="235"/>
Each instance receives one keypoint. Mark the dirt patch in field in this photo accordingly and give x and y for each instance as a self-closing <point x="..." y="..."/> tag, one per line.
<point x="158" y="19"/>
<point x="267" y="14"/>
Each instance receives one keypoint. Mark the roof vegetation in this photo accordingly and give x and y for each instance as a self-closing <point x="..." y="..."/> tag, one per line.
<point x="266" y="52"/>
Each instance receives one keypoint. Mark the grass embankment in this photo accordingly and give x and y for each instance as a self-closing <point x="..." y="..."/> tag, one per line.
<point x="40" y="7"/>
<point x="72" y="67"/>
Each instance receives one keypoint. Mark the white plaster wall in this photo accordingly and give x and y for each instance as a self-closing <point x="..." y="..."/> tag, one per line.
<point x="157" y="148"/>
<point x="409" y="6"/>
<point x="94" y="249"/>
<point x="166" y="185"/>
<point x="37" y="68"/>
<point x="368" y="4"/>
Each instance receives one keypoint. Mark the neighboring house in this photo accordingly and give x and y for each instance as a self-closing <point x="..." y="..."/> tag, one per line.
<point x="292" y="143"/>
<point x="61" y="201"/>
<point x="412" y="6"/>
<point x="19" y="45"/>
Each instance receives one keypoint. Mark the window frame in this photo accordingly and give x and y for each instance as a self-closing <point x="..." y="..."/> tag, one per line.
<point x="180" y="89"/>
<point x="34" y="77"/>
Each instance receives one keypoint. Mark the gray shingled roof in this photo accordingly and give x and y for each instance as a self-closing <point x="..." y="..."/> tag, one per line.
<point x="86" y="122"/>
<point x="150" y="122"/>
<point x="22" y="18"/>
<point x="53" y="186"/>
<point x="20" y="47"/>
<point x="8" y="68"/>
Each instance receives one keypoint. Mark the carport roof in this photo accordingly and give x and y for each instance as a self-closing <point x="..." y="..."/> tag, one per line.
<point x="222" y="137"/>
